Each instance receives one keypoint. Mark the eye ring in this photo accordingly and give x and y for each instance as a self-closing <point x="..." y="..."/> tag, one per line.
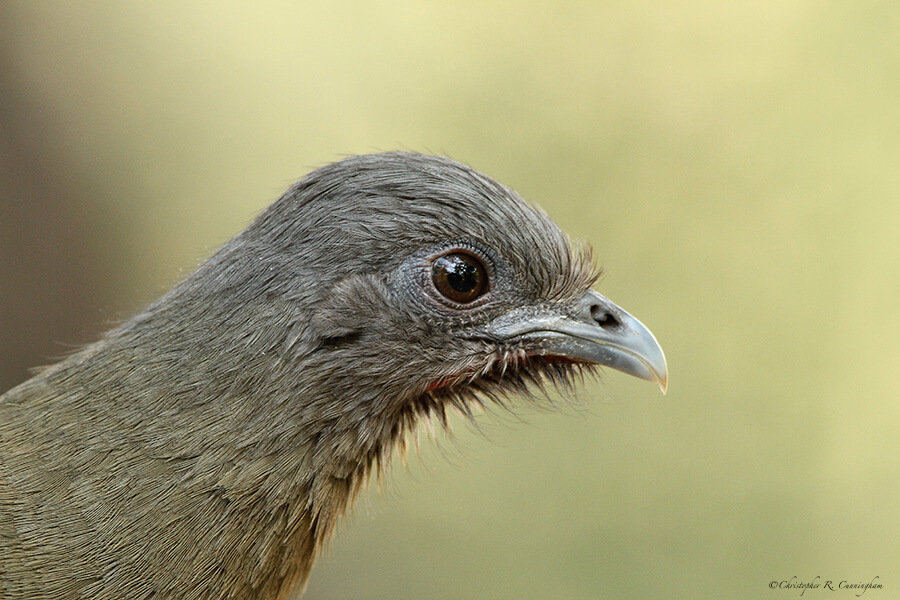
<point x="459" y="276"/>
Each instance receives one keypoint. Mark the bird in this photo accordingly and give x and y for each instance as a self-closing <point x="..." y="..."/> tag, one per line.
<point x="206" y="447"/>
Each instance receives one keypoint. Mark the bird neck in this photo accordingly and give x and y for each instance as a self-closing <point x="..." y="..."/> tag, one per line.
<point x="256" y="459"/>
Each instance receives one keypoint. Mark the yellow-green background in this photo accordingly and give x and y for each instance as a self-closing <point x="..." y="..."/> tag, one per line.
<point x="736" y="166"/>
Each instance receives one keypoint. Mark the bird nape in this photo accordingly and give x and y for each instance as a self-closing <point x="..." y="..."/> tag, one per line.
<point x="206" y="447"/>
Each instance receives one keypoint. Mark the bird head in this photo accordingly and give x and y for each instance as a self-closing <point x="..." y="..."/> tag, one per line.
<point x="411" y="283"/>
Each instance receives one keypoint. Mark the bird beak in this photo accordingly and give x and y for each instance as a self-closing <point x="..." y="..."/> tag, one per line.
<point x="596" y="331"/>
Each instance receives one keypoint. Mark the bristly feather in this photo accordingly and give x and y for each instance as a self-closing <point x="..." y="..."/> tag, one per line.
<point x="508" y="373"/>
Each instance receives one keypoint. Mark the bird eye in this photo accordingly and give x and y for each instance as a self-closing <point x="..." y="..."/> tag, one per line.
<point x="459" y="277"/>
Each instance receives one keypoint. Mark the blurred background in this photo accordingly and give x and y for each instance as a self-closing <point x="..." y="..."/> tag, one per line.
<point x="735" y="165"/>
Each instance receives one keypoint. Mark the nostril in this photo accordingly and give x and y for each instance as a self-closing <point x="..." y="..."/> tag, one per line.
<point x="604" y="318"/>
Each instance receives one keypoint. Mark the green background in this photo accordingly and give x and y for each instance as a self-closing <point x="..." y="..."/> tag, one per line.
<point x="736" y="167"/>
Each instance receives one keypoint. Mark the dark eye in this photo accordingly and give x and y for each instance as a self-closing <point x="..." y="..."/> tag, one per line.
<point x="460" y="277"/>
